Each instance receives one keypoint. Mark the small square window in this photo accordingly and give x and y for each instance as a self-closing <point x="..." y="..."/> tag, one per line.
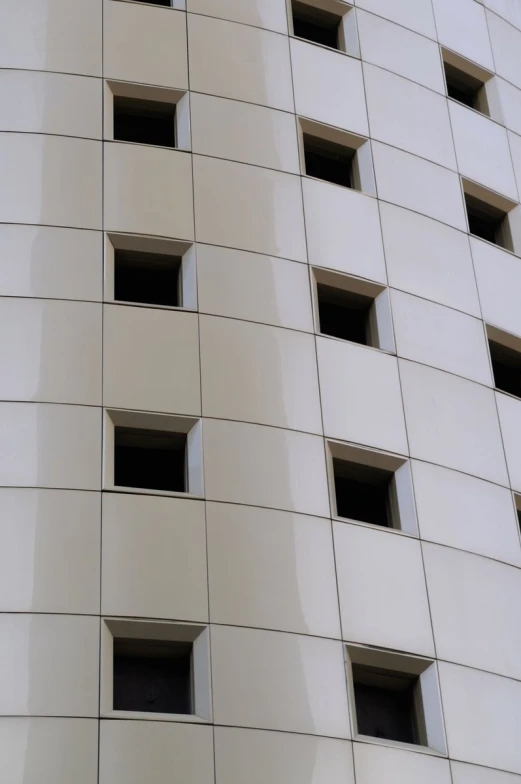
<point x="352" y="309"/>
<point x="485" y="220"/>
<point x="152" y="676"/>
<point x="371" y="487"/>
<point x="316" y="25"/>
<point x="506" y="366"/>
<point x="492" y="217"/>
<point x="155" y="667"/>
<point x="464" y="88"/>
<point x="345" y="315"/>
<point x="152" y="453"/>
<point x="149" y="278"/>
<point x="363" y="493"/>
<point x="395" y="697"/>
<point x="150" y="271"/>
<point x="144" y="122"/>
<point x="328" y="161"/>
<point x="150" y="459"/>
<point x="385" y="704"/>
<point x="466" y="82"/>
<point x="336" y="156"/>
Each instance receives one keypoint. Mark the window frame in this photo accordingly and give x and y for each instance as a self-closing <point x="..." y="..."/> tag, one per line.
<point x="427" y="696"/>
<point x="197" y="634"/>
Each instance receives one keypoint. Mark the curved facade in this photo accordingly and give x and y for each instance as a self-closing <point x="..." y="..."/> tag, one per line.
<point x="260" y="351"/>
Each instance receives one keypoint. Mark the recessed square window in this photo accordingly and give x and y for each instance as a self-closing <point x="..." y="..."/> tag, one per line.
<point x="151" y="459"/>
<point x="363" y="493"/>
<point x="328" y="161"/>
<point x="352" y="309"/>
<point x="315" y="24"/>
<point x="344" y="314"/>
<point x="492" y="217"/>
<point x="144" y="122"/>
<point x="150" y="271"/>
<point x="385" y="704"/>
<point x="395" y="697"/>
<point x="371" y="487"/>
<point x="336" y="156"/>
<point x="464" y="88"/>
<point x="149" y="278"/>
<point x="466" y="82"/>
<point x="152" y="676"/>
<point x="485" y="220"/>
<point x="506" y="367"/>
<point x="152" y="453"/>
<point x="155" y="667"/>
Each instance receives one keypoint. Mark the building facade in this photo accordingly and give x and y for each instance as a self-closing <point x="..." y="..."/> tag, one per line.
<point x="260" y="381"/>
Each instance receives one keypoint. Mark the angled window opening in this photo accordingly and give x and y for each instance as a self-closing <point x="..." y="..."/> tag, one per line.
<point x="467" y="82"/>
<point x="167" y="3"/>
<point x="150" y="271"/>
<point x="352" y="309"/>
<point x="395" y="697"/>
<point x="363" y="493"/>
<point x="517" y="501"/>
<point x="465" y="89"/>
<point x="147" y="278"/>
<point x="316" y="25"/>
<point x="371" y="487"/>
<point x="385" y="704"/>
<point x="336" y="156"/>
<point x="150" y="459"/>
<point x="144" y="122"/>
<point x="505" y="356"/>
<point x="345" y="314"/>
<point x="155" y="667"/>
<point x="152" y="676"/>
<point x="329" y="161"/>
<point x="492" y="217"/>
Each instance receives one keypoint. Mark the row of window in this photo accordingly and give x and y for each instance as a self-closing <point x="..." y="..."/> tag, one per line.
<point x="163" y="669"/>
<point x="465" y="82"/>
<point x="348" y="308"/>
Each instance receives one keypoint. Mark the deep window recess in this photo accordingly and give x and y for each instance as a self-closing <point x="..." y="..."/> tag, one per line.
<point x="316" y="25"/>
<point x="328" y="161"/>
<point x="363" y="493"/>
<point x="486" y="221"/>
<point x="144" y="122"/>
<point x="147" y="278"/>
<point x="152" y="676"/>
<point x="344" y="314"/>
<point x="385" y="704"/>
<point x="150" y="459"/>
<point x="157" y="2"/>
<point x="506" y="365"/>
<point x="465" y="88"/>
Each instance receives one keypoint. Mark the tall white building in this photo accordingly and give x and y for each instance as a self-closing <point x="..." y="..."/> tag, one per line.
<point x="260" y="384"/>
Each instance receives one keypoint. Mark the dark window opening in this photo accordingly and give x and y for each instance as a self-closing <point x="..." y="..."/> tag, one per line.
<point x="328" y="161"/>
<point x="385" y="704"/>
<point x="363" y="493"/>
<point x="152" y="676"/>
<point x="485" y="221"/>
<point x="157" y="2"/>
<point x="149" y="278"/>
<point x="464" y="88"/>
<point x="151" y="459"/>
<point x="519" y="517"/>
<point x="343" y="314"/>
<point x="316" y="25"/>
<point x="506" y="366"/>
<point x="144" y="122"/>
